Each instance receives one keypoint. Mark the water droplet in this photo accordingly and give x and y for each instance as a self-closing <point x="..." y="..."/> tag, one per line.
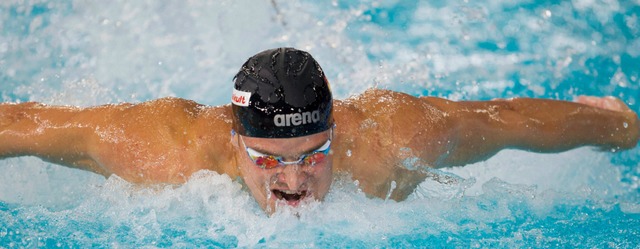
<point x="625" y="125"/>
<point x="349" y="153"/>
<point x="391" y="188"/>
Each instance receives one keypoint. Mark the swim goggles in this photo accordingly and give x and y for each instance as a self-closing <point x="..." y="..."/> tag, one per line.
<point x="265" y="161"/>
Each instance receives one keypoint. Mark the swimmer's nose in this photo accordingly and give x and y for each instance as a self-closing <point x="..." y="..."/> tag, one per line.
<point x="293" y="176"/>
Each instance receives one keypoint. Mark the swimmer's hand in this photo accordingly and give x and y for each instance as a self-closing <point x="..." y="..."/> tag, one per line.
<point x="607" y="103"/>
<point x="12" y="114"/>
<point x="9" y="112"/>
<point x="614" y="104"/>
<point x="4" y="115"/>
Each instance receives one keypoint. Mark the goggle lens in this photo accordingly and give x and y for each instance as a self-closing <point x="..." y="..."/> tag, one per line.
<point x="265" y="162"/>
<point x="269" y="161"/>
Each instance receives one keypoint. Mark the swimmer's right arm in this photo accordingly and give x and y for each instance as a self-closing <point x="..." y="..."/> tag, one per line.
<point x="163" y="140"/>
<point x="57" y="134"/>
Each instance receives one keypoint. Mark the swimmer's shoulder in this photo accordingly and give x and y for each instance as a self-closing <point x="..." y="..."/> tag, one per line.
<point x="168" y="108"/>
<point x="163" y="107"/>
<point x="196" y="132"/>
<point x="376" y="114"/>
<point x="210" y="123"/>
<point x="382" y="103"/>
<point x="167" y="115"/>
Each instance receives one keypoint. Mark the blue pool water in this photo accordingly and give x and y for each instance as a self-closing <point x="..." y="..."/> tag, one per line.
<point x="96" y="52"/>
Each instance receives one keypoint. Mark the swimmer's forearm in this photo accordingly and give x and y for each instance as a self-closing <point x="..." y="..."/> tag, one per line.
<point x="51" y="133"/>
<point x="553" y="126"/>
<point x="484" y="128"/>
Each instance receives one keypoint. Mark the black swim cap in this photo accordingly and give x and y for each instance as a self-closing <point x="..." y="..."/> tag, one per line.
<point x="281" y="93"/>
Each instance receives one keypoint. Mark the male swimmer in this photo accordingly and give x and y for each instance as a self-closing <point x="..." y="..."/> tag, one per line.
<point x="284" y="135"/>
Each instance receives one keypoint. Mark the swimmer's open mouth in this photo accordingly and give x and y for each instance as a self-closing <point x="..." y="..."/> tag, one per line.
<point x="289" y="196"/>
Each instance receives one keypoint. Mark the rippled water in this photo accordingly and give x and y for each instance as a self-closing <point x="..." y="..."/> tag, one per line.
<point x="95" y="52"/>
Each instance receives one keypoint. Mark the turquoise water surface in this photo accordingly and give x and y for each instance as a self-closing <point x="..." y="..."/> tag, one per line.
<point x="87" y="53"/>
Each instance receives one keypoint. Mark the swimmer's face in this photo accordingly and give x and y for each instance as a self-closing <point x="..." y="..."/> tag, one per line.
<point x="285" y="184"/>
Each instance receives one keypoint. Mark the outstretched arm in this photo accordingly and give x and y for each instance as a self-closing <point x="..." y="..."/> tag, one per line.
<point x="384" y="136"/>
<point x="55" y="134"/>
<point x="163" y="140"/>
<point x="481" y="129"/>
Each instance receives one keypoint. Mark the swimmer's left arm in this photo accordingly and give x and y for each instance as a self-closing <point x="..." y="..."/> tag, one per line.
<point x="481" y="129"/>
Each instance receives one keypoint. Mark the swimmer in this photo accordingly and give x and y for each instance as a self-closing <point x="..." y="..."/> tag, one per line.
<point x="285" y="136"/>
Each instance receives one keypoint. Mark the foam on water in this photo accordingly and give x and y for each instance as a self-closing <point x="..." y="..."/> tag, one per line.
<point x="91" y="52"/>
<point x="211" y="209"/>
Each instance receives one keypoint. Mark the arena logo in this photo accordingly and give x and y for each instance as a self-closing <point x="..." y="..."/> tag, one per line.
<point x="295" y="119"/>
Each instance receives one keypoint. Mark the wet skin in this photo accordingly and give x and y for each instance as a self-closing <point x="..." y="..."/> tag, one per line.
<point x="380" y="138"/>
<point x="291" y="183"/>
